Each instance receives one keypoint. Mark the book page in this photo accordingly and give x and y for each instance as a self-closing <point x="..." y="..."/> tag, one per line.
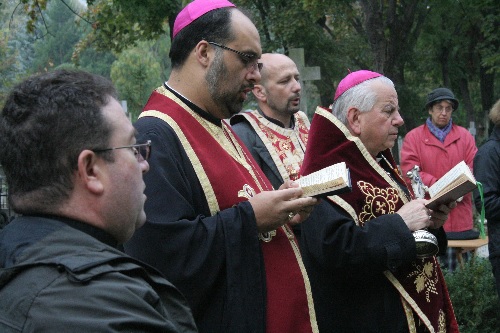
<point x="452" y="194"/>
<point x="331" y="172"/>
<point x="327" y="180"/>
<point x="455" y="183"/>
<point x="450" y="179"/>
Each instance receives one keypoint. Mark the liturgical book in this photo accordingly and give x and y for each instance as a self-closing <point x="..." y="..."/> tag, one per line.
<point x="454" y="184"/>
<point x="331" y="180"/>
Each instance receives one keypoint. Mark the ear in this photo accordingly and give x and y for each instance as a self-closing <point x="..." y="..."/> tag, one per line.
<point x="259" y="92"/>
<point x="354" y="121"/>
<point x="91" y="172"/>
<point x="202" y="54"/>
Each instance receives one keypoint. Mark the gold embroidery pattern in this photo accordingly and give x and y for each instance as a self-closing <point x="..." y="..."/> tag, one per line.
<point x="379" y="201"/>
<point x="247" y="192"/>
<point x="267" y="236"/>
<point x="441" y="322"/>
<point x="290" y="156"/>
<point x="303" y="129"/>
<point x="425" y="279"/>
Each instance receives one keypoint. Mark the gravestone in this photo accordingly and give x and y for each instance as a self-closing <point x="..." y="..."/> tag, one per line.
<point x="307" y="74"/>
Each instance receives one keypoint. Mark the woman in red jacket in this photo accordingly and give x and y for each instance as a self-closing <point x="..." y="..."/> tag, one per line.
<point x="436" y="147"/>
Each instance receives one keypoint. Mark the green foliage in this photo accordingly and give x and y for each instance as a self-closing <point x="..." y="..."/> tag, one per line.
<point x="6" y="67"/>
<point x="136" y="73"/>
<point x="120" y="24"/>
<point x="58" y="36"/>
<point x="98" y="62"/>
<point x="322" y="30"/>
<point x="16" y="50"/>
<point x="419" y="44"/>
<point x="474" y="297"/>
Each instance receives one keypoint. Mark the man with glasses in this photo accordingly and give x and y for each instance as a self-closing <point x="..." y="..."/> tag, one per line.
<point x="216" y="228"/>
<point x="436" y="147"/>
<point x="359" y="247"/>
<point x="74" y="171"/>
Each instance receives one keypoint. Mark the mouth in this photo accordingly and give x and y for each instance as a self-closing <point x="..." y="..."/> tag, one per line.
<point x="244" y="95"/>
<point x="246" y="90"/>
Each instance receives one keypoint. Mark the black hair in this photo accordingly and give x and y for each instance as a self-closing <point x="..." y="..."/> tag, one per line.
<point x="214" y="26"/>
<point x="46" y="122"/>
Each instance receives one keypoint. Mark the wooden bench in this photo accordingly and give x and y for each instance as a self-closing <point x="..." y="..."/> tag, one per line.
<point x="466" y="245"/>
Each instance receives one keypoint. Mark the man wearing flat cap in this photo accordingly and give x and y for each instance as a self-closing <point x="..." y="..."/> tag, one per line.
<point x="216" y="228"/>
<point x="359" y="247"/>
<point x="436" y="147"/>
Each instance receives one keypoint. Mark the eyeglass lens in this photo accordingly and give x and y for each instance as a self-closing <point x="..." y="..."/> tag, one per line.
<point x="144" y="152"/>
<point x="446" y="109"/>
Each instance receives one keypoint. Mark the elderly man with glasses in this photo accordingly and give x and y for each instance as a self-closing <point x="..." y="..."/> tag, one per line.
<point x="74" y="172"/>
<point x="216" y="228"/>
<point x="436" y="147"/>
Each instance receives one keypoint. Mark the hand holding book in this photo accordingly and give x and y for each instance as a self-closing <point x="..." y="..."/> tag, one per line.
<point x="453" y="185"/>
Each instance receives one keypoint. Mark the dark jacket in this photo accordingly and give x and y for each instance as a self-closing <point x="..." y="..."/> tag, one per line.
<point x="57" y="278"/>
<point x="487" y="172"/>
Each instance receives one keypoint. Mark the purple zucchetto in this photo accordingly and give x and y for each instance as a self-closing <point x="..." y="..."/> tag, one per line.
<point x="196" y="9"/>
<point x="353" y="79"/>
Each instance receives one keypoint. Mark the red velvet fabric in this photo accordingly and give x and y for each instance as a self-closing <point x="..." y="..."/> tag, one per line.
<point x="375" y="193"/>
<point x="287" y="303"/>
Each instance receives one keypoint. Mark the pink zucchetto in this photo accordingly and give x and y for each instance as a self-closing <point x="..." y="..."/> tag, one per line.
<point x="353" y="79"/>
<point x="196" y="9"/>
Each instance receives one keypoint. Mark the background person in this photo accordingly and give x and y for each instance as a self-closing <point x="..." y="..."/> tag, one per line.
<point x="276" y="132"/>
<point x="74" y="172"/>
<point x="487" y="172"/>
<point x="436" y="147"/>
<point x="216" y="228"/>
<point x="358" y="247"/>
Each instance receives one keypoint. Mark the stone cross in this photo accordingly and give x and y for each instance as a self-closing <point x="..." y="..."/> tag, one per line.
<point x="306" y="74"/>
<point x="472" y="128"/>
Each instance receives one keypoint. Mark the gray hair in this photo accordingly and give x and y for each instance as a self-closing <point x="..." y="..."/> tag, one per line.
<point x="362" y="97"/>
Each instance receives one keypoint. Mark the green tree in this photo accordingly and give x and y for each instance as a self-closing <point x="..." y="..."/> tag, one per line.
<point x="6" y="68"/>
<point x="116" y="24"/>
<point x="136" y="73"/>
<point x="458" y="39"/>
<point x="16" y="51"/>
<point x="418" y="44"/>
<point x="58" y="35"/>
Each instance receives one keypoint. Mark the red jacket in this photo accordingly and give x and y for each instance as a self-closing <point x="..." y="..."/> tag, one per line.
<point x="435" y="158"/>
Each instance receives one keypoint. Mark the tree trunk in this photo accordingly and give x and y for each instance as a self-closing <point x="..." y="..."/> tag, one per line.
<point x="487" y="83"/>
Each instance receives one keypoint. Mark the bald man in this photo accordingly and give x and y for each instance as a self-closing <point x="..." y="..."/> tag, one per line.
<point x="276" y="132"/>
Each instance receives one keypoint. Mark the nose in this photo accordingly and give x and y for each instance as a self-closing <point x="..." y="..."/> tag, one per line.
<point x="253" y="75"/>
<point x="398" y="121"/>
<point x="297" y="86"/>
<point x="144" y="166"/>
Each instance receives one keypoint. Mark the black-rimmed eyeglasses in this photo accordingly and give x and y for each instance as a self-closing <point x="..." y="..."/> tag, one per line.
<point x="142" y="151"/>
<point x="250" y="60"/>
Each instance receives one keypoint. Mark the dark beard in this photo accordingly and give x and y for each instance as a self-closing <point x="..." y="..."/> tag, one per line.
<point x="216" y="76"/>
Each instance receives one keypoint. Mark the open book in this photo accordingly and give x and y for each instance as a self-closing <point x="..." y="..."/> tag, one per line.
<point x="454" y="184"/>
<point x="331" y="180"/>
